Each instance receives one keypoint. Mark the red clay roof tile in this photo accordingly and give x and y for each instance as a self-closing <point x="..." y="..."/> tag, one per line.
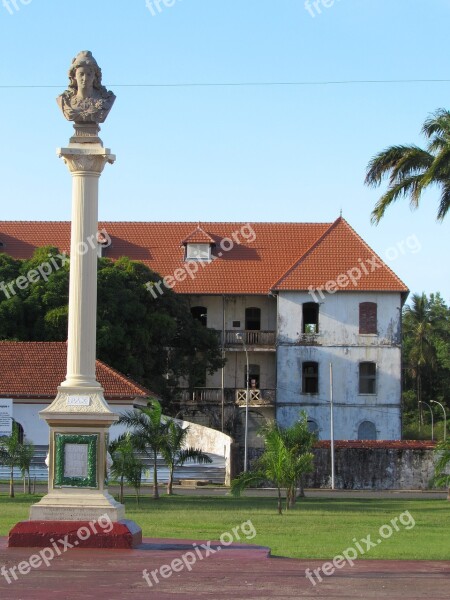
<point x="36" y="369"/>
<point x="249" y="258"/>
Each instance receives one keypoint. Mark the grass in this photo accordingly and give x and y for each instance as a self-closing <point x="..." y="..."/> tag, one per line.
<point x="317" y="528"/>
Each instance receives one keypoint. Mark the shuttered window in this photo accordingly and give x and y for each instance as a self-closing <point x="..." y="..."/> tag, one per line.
<point x="368" y="317"/>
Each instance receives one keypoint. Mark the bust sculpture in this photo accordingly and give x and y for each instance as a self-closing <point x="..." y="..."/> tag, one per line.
<point x="86" y="100"/>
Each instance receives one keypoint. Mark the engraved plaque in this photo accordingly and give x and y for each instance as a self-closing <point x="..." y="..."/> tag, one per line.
<point x="78" y="401"/>
<point x="76" y="460"/>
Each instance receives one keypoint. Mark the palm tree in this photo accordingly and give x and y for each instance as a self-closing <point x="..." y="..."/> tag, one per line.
<point x="126" y="466"/>
<point x="175" y="454"/>
<point x="285" y="459"/>
<point x="418" y="327"/>
<point x="26" y="453"/>
<point x="10" y="448"/>
<point x="442" y="468"/>
<point x="412" y="170"/>
<point x="148" y="433"/>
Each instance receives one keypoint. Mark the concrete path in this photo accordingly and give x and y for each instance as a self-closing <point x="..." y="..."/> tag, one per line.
<point x="234" y="573"/>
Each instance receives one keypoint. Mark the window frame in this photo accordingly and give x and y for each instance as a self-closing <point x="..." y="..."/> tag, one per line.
<point x="315" y="377"/>
<point x="367" y="378"/>
<point x="368" y="323"/>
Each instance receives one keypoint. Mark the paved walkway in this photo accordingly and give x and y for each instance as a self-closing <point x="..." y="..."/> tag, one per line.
<point x="235" y="573"/>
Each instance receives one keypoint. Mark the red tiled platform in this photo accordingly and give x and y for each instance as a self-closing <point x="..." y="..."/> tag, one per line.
<point x="234" y="573"/>
<point x="125" y="534"/>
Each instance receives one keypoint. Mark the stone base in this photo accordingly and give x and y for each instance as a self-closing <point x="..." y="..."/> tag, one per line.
<point x="77" y="505"/>
<point x="63" y="535"/>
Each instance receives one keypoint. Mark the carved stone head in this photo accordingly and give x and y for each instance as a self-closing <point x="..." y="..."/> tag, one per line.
<point x="86" y="100"/>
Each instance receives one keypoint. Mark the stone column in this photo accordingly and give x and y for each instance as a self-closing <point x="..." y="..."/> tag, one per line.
<point x="86" y="166"/>
<point x="79" y="417"/>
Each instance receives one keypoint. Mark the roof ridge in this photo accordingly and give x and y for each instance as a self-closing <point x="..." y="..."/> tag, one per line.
<point x="305" y="254"/>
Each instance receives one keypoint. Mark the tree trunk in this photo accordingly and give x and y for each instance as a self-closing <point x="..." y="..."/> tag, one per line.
<point x="29" y="483"/>
<point x="170" y="482"/>
<point x="11" y="483"/>
<point x="155" y="477"/>
<point x="121" y="490"/>
<point x="280" y="509"/>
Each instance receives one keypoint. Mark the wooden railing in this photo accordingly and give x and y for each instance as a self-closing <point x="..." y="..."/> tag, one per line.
<point x="250" y="337"/>
<point x="257" y="397"/>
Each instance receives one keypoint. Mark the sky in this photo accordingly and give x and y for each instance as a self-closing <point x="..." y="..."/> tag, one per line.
<point x="232" y="152"/>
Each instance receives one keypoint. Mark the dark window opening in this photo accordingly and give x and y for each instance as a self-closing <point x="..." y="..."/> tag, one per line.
<point x="200" y="313"/>
<point x="252" y="319"/>
<point x="310" y="317"/>
<point x="367" y="317"/>
<point x="367" y="378"/>
<point x="236" y="324"/>
<point x="310" y="378"/>
<point x="253" y="376"/>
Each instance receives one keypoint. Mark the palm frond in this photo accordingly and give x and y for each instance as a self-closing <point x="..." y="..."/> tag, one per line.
<point x="244" y="480"/>
<point x="409" y="186"/>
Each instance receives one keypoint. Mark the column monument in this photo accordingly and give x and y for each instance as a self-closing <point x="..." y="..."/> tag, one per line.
<point x="79" y="418"/>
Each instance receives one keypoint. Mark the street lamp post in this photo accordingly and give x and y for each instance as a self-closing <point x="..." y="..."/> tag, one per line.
<point x="445" y="417"/>
<point x="240" y="337"/>
<point x="432" y="418"/>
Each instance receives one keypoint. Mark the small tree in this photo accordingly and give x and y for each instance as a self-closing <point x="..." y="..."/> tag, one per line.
<point x="126" y="466"/>
<point x="10" y="448"/>
<point x="442" y="469"/>
<point x="26" y="453"/>
<point x="175" y="454"/>
<point x="287" y="456"/>
<point x="147" y="434"/>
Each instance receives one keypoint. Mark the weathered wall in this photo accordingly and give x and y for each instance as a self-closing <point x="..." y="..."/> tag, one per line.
<point x="339" y="343"/>
<point x="405" y="466"/>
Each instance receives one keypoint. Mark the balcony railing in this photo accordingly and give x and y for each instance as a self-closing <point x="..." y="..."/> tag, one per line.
<point x="250" y="337"/>
<point x="257" y="397"/>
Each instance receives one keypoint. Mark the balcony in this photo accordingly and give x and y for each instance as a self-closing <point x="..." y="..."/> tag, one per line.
<point x="258" y="397"/>
<point x="251" y="338"/>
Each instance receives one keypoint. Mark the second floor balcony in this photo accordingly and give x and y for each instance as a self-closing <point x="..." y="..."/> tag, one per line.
<point x="257" y="397"/>
<point x="258" y="337"/>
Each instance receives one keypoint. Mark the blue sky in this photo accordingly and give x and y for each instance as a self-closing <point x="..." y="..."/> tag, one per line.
<point x="273" y="153"/>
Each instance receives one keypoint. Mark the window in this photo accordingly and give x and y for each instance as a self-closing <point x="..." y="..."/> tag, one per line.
<point x="237" y="324"/>
<point x="367" y="431"/>
<point x="313" y="427"/>
<point x="310" y="317"/>
<point x="252" y="319"/>
<point x="367" y="378"/>
<point x="310" y="378"/>
<point x="254" y="376"/>
<point x="200" y="313"/>
<point x="368" y="317"/>
<point x="198" y="252"/>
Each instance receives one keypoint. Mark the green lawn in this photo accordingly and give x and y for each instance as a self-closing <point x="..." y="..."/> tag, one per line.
<point x="316" y="528"/>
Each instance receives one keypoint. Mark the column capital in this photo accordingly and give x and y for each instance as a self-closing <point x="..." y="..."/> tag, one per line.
<point x="86" y="160"/>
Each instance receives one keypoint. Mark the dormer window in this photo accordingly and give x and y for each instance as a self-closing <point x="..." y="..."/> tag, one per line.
<point x="198" y="245"/>
<point x="198" y="251"/>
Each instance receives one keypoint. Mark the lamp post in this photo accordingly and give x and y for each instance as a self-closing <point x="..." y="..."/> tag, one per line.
<point x="432" y="418"/>
<point x="445" y="417"/>
<point x="240" y="337"/>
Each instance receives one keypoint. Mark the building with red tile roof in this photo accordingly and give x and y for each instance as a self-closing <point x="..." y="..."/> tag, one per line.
<point x="287" y="299"/>
<point x="30" y="373"/>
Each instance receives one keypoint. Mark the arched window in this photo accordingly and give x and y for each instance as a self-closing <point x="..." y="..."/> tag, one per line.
<point x="200" y="313"/>
<point x="310" y="317"/>
<point x="313" y="427"/>
<point x="310" y="378"/>
<point x="252" y="319"/>
<point x="367" y="431"/>
<point x="368" y="318"/>
<point x="367" y="378"/>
